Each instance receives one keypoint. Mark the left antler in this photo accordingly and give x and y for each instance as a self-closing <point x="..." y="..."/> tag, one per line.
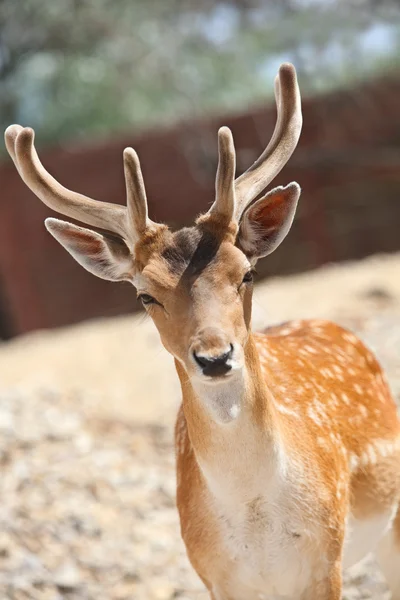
<point x="283" y="142"/>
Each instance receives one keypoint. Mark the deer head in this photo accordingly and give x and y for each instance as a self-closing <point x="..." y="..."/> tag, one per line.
<point x="195" y="283"/>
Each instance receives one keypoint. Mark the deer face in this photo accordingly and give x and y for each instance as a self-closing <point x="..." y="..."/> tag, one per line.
<point x="197" y="290"/>
<point x="196" y="284"/>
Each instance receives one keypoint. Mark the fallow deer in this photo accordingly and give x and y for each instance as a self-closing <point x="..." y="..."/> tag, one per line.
<point x="287" y="441"/>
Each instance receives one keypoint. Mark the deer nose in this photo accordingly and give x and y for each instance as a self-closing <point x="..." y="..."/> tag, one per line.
<point x="214" y="366"/>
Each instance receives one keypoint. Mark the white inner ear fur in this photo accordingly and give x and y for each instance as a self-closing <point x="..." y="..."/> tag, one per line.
<point x="104" y="257"/>
<point x="249" y="235"/>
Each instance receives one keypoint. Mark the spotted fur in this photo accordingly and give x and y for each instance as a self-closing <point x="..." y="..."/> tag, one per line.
<point x="274" y="509"/>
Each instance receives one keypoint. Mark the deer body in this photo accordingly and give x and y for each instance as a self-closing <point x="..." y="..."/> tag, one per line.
<point x="288" y="442"/>
<point x="281" y="527"/>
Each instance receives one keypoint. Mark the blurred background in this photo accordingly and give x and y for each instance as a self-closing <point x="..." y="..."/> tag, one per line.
<point x="87" y="394"/>
<point x="94" y="76"/>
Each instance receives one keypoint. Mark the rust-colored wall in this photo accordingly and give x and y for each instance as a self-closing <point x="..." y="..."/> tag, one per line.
<point x="347" y="163"/>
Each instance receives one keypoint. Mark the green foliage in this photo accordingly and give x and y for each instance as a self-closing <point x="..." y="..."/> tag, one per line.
<point x="84" y="68"/>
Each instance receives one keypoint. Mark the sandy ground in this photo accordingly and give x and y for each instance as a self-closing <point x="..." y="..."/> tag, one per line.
<point x="86" y="416"/>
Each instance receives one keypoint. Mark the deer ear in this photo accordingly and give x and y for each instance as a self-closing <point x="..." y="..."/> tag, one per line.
<point x="265" y="224"/>
<point x="106" y="257"/>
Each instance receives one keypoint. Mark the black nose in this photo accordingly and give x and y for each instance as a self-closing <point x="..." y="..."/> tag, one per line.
<point x="214" y="366"/>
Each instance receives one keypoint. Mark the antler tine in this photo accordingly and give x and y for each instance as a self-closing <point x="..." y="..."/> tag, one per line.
<point x="104" y="215"/>
<point x="224" y="204"/>
<point x="283" y="142"/>
<point x="135" y="194"/>
<point x="278" y="123"/>
<point x="10" y="136"/>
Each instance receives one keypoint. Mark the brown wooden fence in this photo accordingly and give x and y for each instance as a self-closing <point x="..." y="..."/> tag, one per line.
<point x="347" y="163"/>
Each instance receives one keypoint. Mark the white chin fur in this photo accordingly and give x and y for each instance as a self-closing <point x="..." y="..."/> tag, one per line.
<point x="222" y="397"/>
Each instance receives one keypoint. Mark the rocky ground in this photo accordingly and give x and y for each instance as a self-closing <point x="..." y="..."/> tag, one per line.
<point x="86" y="415"/>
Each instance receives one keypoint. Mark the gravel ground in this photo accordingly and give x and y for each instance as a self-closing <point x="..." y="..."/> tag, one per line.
<point x="88" y="486"/>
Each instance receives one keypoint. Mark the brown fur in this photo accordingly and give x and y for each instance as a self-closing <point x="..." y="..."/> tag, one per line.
<point x="372" y="486"/>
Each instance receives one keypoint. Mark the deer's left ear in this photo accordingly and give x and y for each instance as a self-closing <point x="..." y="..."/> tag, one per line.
<point x="265" y="224"/>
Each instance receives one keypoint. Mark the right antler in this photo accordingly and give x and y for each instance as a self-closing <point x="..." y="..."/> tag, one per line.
<point x="128" y="222"/>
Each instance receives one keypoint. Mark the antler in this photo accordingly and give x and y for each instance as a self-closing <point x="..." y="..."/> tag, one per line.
<point x="129" y="222"/>
<point x="283" y="142"/>
<point x="224" y="204"/>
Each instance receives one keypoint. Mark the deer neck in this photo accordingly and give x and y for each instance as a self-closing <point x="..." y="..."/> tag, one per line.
<point x="245" y="432"/>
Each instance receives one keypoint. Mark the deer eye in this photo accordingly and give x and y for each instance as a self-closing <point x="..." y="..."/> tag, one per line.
<point x="147" y="299"/>
<point x="248" y="277"/>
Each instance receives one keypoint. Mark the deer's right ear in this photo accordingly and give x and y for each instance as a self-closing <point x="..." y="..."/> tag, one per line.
<point x="266" y="223"/>
<point x="106" y="257"/>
